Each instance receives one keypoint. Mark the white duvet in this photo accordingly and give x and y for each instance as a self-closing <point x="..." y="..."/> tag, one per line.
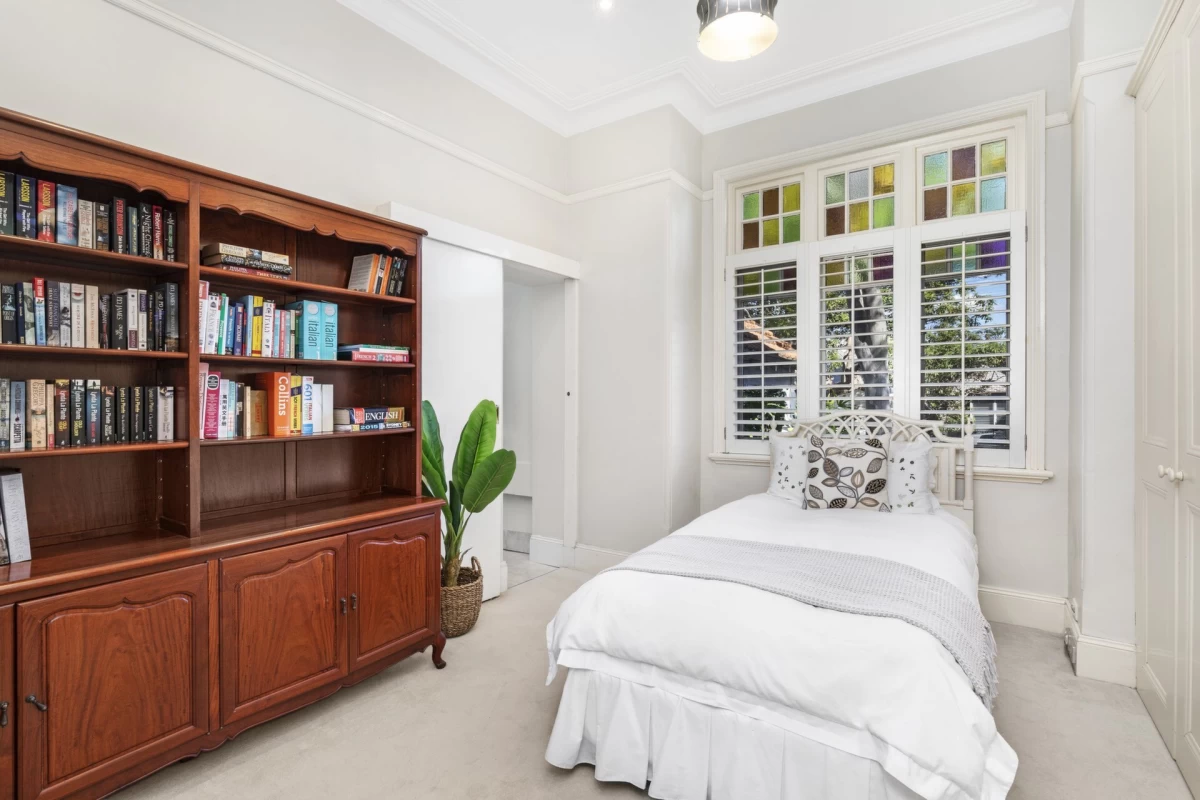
<point x="874" y="687"/>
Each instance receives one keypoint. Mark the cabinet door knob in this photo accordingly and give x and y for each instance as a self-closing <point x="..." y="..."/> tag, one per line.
<point x="1162" y="471"/>
<point x="354" y="602"/>
<point x="4" y="714"/>
<point x="33" y="701"/>
<point x="343" y="605"/>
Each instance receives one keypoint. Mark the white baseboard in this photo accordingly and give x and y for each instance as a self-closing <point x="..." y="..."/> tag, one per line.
<point x="1103" y="659"/>
<point x="1029" y="610"/>
<point x="551" y="552"/>
<point x="595" y="559"/>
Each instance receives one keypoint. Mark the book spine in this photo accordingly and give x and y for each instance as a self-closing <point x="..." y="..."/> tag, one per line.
<point x="8" y="314"/>
<point x="143" y="324"/>
<point x="46" y="202"/>
<point x="239" y="321"/>
<point x="26" y="221"/>
<point x="137" y="414"/>
<point x="171" y="340"/>
<point x="295" y="405"/>
<point x="170" y="242"/>
<point x="91" y="316"/>
<point x="306" y="405"/>
<point x="160" y="319"/>
<point x="19" y="311"/>
<point x="39" y="311"/>
<point x="145" y="230"/>
<point x="120" y="334"/>
<point x="256" y="330"/>
<point x="132" y="235"/>
<point x="329" y="331"/>
<point x="212" y="395"/>
<point x="28" y="314"/>
<point x="78" y="403"/>
<point x="120" y="239"/>
<point x="12" y="499"/>
<point x="381" y="358"/>
<point x="64" y="314"/>
<point x="222" y="409"/>
<point x="258" y="273"/>
<point x="16" y="416"/>
<point x="78" y="315"/>
<point x="150" y="398"/>
<point x="87" y="224"/>
<point x="92" y="432"/>
<point x="327" y="408"/>
<point x="122" y="414"/>
<point x="159" y="237"/>
<point x="105" y="321"/>
<point x="7" y="203"/>
<point x="268" y="329"/>
<point x="62" y="413"/>
<point x="132" y="317"/>
<point x="35" y="394"/>
<point x="108" y="426"/>
<point x="53" y="315"/>
<point x="166" y="413"/>
<point x="278" y="388"/>
<point x="103" y="226"/>
<point x="5" y="412"/>
<point x="67" y="215"/>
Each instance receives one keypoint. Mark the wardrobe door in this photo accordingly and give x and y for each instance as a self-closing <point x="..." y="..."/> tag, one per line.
<point x="1159" y="170"/>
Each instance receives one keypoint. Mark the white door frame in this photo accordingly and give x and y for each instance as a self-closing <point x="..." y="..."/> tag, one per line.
<point x="542" y="550"/>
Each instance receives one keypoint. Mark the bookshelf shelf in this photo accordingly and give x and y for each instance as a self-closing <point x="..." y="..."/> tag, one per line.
<point x="303" y="288"/>
<point x="68" y="255"/>
<point x="94" y="450"/>
<point x="33" y="351"/>
<point x="310" y="438"/>
<point x="303" y="362"/>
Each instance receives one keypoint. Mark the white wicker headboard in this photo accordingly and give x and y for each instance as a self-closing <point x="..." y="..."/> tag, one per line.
<point x="949" y="452"/>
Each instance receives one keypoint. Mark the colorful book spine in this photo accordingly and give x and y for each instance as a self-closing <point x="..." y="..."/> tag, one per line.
<point x="103" y="226"/>
<point x="46" y="202"/>
<point x="77" y="412"/>
<point x="67" y="215"/>
<point x="25" y="222"/>
<point x="16" y="416"/>
<point x="306" y="405"/>
<point x="120" y="239"/>
<point x="145" y="230"/>
<point x="87" y="224"/>
<point x="296" y="405"/>
<point x="78" y="315"/>
<point x="62" y="413"/>
<point x="53" y="315"/>
<point x="212" y="398"/>
<point x="158" y="242"/>
<point x="92" y="428"/>
<point x="169" y="237"/>
<point x="329" y="331"/>
<point x="39" y="311"/>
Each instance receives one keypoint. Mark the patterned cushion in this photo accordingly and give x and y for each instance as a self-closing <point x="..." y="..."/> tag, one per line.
<point x="846" y="473"/>
<point x="788" y="467"/>
<point x="910" y="477"/>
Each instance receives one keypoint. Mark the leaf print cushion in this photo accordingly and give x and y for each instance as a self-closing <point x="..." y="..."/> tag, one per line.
<point x="788" y="467"/>
<point x="910" y="477"/>
<point x="846" y="474"/>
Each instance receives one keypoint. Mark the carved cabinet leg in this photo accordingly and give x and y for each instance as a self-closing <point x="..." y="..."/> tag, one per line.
<point x="439" y="644"/>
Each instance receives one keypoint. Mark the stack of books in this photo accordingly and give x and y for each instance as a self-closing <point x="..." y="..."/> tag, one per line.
<point x="376" y="274"/>
<point x="382" y="353"/>
<point x="373" y="418"/>
<point x="56" y="314"/>
<point x="247" y="260"/>
<point x="269" y="404"/>
<point x="14" y="525"/>
<point x="78" y="412"/>
<point x="36" y="209"/>
<point x="253" y="326"/>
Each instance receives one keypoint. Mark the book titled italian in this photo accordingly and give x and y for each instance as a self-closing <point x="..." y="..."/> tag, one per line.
<point x="46" y="202"/>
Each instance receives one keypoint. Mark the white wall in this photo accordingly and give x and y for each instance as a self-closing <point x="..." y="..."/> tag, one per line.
<point x="517" y="407"/>
<point x="462" y="362"/>
<point x="1022" y="528"/>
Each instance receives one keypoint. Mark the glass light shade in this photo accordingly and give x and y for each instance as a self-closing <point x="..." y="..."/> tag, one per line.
<point x="734" y="30"/>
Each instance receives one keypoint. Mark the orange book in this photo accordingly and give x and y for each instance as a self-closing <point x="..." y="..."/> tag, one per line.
<point x="278" y="386"/>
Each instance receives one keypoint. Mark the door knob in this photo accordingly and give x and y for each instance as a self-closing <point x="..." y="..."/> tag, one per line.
<point x="1179" y="476"/>
<point x="343" y="605"/>
<point x="33" y="701"/>
<point x="354" y="602"/>
<point x="1162" y="471"/>
<point x="1170" y="474"/>
<point x="4" y="714"/>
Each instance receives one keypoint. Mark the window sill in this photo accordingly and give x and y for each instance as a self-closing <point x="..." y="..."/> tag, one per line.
<point x="995" y="474"/>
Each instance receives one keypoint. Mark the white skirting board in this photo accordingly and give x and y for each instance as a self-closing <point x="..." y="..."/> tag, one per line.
<point x="1029" y="610"/>
<point x="1103" y="659"/>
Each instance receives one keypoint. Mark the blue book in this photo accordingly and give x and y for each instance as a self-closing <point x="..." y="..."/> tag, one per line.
<point x="229" y="329"/>
<point x="329" y="331"/>
<point x="308" y="327"/>
<point x="239" y="312"/>
<point x="39" y="311"/>
<point x="68" y="215"/>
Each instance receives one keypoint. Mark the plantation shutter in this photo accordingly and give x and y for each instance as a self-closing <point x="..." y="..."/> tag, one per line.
<point x="764" y="349"/>
<point x="855" y="330"/>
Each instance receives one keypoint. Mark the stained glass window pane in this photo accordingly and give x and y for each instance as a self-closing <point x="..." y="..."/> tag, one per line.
<point x="791" y="198"/>
<point x="750" y="205"/>
<point x="964" y="199"/>
<point x="835" y="220"/>
<point x="770" y="202"/>
<point x="885" y="212"/>
<point x="964" y="163"/>
<point x="992" y="194"/>
<point x="835" y="273"/>
<point x="860" y="184"/>
<point x="791" y="226"/>
<point x="885" y="179"/>
<point x="860" y="217"/>
<point x="749" y="235"/>
<point x="935" y="203"/>
<point x="993" y="157"/>
<point x="935" y="170"/>
<point x="835" y="189"/>
<point x="770" y="228"/>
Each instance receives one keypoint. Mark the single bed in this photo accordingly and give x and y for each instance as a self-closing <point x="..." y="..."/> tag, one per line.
<point x="709" y="689"/>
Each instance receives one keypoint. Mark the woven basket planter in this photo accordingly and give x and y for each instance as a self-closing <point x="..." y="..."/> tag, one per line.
<point x="460" y="604"/>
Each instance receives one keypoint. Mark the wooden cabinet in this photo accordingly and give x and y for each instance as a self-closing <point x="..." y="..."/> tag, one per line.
<point x="110" y="677"/>
<point x="8" y="705"/>
<point x="283" y="624"/>
<point x="390" y="569"/>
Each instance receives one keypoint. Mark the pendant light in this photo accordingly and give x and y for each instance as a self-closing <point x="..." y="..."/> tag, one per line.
<point x="733" y="30"/>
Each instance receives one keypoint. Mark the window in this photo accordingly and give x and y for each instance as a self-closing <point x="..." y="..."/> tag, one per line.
<point x="860" y="199"/>
<point x="909" y="297"/>
<point x="770" y="216"/>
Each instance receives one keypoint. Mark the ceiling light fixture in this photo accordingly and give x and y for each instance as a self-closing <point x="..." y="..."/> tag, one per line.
<point x="733" y="30"/>
<point x="605" y="5"/>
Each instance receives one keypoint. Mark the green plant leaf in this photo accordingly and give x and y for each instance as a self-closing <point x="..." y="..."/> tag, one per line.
<point x="432" y="450"/>
<point x="489" y="479"/>
<point x="454" y="506"/>
<point x="434" y="487"/>
<point x="477" y="441"/>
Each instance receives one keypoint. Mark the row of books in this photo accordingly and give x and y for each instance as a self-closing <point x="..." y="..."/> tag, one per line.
<point x="74" y="412"/>
<point x="36" y="209"/>
<point x="255" y="326"/>
<point x="376" y="274"/>
<point x="58" y="314"/>
<point x="268" y="404"/>
<point x="370" y="418"/>
<point x="248" y="260"/>
<point x="14" y="524"/>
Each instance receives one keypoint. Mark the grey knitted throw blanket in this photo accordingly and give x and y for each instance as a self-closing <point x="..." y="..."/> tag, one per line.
<point x="847" y="582"/>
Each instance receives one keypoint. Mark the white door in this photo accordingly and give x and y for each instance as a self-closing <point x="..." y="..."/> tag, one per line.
<point x="462" y="362"/>
<point x="1158" y="551"/>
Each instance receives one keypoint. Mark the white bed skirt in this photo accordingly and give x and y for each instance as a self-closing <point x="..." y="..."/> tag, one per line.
<point x="686" y="750"/>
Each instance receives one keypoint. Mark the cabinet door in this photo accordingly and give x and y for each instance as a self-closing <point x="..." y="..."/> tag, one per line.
<point x="283" y="624"/>
<point x="393" y="577"/>
<point x="119" y="674"/>
<point x="8" y="705"/>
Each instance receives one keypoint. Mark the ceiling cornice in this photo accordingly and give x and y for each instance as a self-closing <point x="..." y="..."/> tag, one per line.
<point x="427" y="26"/>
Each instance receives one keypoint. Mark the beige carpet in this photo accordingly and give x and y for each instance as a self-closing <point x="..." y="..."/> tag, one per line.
<point x="477" y="730"/>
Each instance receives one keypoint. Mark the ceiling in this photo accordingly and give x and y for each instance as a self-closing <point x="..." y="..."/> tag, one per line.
<point x="574" y="67"/>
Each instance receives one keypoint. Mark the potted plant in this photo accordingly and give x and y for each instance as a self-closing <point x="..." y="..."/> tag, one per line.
<point x="479" y="474"/>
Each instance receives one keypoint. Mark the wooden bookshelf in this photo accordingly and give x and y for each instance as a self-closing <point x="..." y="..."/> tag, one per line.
<point x="315" y="544"/>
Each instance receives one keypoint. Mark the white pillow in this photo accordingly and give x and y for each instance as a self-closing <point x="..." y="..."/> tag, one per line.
<point x="788" y="467"/>
<point x="910" y="477"/>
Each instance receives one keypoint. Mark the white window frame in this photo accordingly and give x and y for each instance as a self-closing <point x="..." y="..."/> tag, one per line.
<point x="1022" y="121"/>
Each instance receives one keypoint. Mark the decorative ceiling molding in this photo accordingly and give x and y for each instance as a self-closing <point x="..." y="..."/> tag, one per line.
<point x="430" y="28"/>
<point x="1158" y="37"/>
<point x="1099" y="66"/>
